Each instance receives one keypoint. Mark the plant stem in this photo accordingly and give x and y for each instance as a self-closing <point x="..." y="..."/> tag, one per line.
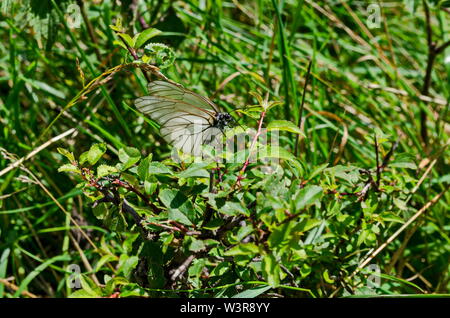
<point x="255" y="139"/>
<point x="433" y="51"/>
<point x="308" y="73"/>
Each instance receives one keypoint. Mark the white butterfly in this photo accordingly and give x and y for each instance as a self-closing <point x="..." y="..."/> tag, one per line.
<point x="187" y="120"/>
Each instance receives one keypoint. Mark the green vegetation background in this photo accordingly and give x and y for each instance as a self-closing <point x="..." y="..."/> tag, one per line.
<point x="314" y="226"/>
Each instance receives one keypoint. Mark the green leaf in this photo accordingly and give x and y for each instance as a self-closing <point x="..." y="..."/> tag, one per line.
<point x="128" y="156"/>
<point x="327" y="278"/>
<point x="128" y="265"/>
<point x="317" y="171"/>
<point x="195" y="170"/>
<point x="103" y="260"/>
<point x="66" y="154"/>
<point x="81" y="293"/>
<point x="305" y="270"/>
<point x="280" y="235"/>
<point x="284" y="125"/>
<point x="37" y="270"/>
<point x="120" y="43"/>
<point x="127" y="39"/>
<point x="306" y="225"/>
<point x="179" y="216"/>
<point x="94" y="154"/>
<point x="118" y="26"/>
<point x="347" y="173"/>
<point x="146" y="35"/>
<point x="89" y="286"/>
<point x="307" y="196"/>
<point x="253" y="292"/>
<point x="197" y="245"/>
<point x="271" y="270"/>
<point x="274" y="152"/>
<point x="160" y="54"/>
<point x="113" y="283"/>
<point x="234" y="208"/>
<point x="156" y="167"/>
<point x="100" y="211"/>
<point x="150" y="187"/>
<point x="104" y="170"/>
<point x="179" y="206"/>
<point x="404" y="160"/>
<point x="142" y="169"/>
<point x="3" y="265"/>
<point x="69" y="168"/>
<point x="243" y="249"/>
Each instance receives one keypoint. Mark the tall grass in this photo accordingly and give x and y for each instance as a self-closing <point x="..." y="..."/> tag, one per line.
<point x="364" y="82"/>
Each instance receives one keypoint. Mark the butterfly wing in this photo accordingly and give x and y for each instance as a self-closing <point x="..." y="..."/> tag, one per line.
<point x="186" y="119"/>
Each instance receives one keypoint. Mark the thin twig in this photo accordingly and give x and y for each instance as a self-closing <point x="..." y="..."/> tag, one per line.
<point x="15" y="288"/>
<point x="378" y="162"/>
<point x="252" y="146"/>
<point x="180" y="270"/>
<point x="433" y="51"/>
<point x="442" y="47"/>
<point x="370" y="182"/>
<point x="36" y="150"/>
<point x="400" y="230"/>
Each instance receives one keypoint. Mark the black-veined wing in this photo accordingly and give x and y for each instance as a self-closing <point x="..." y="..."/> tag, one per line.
<point x="186" y="119"/>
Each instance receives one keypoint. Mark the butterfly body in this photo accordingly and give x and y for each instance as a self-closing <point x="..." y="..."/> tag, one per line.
<point x="188" y="121"/>
<point x="223" y="120"/>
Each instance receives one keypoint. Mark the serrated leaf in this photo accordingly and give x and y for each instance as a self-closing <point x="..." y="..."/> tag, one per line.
<point x="142" y="169"/>
<point x="243" y="249"/>
<point x="69" y="168"/>
<point x="195" y="170"/>
<point x="128" y="156"/>
<point x="284" y="125"/>
<point x="93" y="154"/>
<point x="156" y="167"/>
<point x="274" y="152"/>
<point x="66" y="154"/>
<point x="307" y="196"/>
<point x="104" y="170"/>
<point x="179" y="206"/>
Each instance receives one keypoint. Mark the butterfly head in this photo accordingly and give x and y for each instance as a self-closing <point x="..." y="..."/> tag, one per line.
<point x="224" y="120"/>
